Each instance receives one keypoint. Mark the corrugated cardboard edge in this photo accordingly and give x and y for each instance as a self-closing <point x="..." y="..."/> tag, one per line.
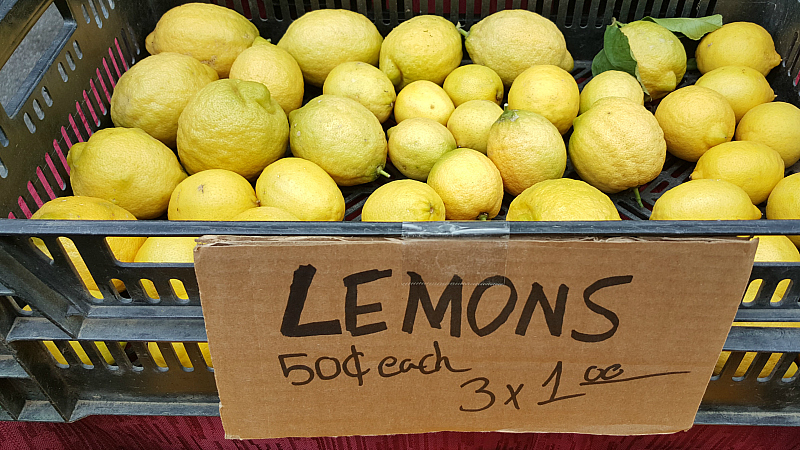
<point x="225" y="240"/>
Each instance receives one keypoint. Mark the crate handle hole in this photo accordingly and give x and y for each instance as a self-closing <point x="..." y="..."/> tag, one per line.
<point x="97" y="18"/>
<point x="46" y="97"/>
<point x="752" y="291"/>
<point x="780" y="291"/>
<point x="150" y="290"/>
<point x="29" y="123"/>
<point x="179" y="289"/>
<point x="80" y="352"/>
<point x="85" y="14"/>
<point x="56" y="354"/>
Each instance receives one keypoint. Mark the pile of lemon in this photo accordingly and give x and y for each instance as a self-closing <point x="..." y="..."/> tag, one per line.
<point x="214" y="126"/>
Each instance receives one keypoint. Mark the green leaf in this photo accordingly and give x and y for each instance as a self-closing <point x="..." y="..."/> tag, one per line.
<point x="616" y="54"/>
<point x="691" y="64"/>
<point x="692" y="27"/>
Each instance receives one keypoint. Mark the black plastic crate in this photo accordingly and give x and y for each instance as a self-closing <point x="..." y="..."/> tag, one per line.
<point x="66" y="98"/>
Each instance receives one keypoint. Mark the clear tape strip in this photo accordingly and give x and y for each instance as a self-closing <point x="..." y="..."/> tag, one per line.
<point x="449" y="229"/>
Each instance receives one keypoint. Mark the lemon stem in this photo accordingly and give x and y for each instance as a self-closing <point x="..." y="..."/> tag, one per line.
<point x="638" y="196"/>
<point x="483" y="216"/>
<point x="383" y="172"/>
<point x="463" y="32"/>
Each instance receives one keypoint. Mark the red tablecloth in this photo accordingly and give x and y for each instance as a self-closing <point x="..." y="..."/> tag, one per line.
<point x="190" y="433"/>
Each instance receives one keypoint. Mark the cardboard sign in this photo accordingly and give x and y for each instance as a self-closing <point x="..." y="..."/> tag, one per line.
<point x="344" y="336"/>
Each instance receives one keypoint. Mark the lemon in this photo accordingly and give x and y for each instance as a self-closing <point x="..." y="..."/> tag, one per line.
<point x="423" y="99"/>
<point x="511" y="41"/>
<point x="214" y="35"/>
<point x="617" y="145"/>
<point x="772" y="249"/>
<point x="474" y="82"/>
<point x="341" y="136"/>
<point x="127" y="167"/>
<point x="752" y="166"/>
<point x="547" y="90"/>
<point x="784" y="202"/>
<point x="365" y="84"/>
<point x="742" y="86"/>
<point x="273" y="67"/>
<point x="705" y="200"/>
<point x="265" y="214"/>
<point x="88" y="208"/>
<point x="422" y="48"/>
<point x="660" y="56"/>
<point x="152" y="94"/>
<point x="166" y="250"/>
<point x="322" y="39"/>
<point x="749" y="357"/>
<point x="468" y="183"/>
<point x="301" y="188"/>
<point x="737" y="44"/>
<point x="416" y="144"/>
<point x="611" y="83"/>
<point x="562" y="199"/>
<point x="471" y="121"/>
<point x="233" y="125"/>
<point x="776" y="124"/>
<point x="403" y="201"/>
<point x="694" y="119"/>
<point x="214" y="194"/>
<point x="527" y="149"/>
<point x="180" y="352"/>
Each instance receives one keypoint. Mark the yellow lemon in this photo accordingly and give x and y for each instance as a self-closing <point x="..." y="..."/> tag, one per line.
<point x="776" y="124"/>
<point x="273" y="67"/>
<point x="322" y="39"/>
<point x="694" y="119"/>
<point x="77" y="347"/>
<point x="752" y="166"/>
<point x="422" y="48"/>
<point x="88" y="208"/>
<point x="365" y="84"/>
<point x="611" y="83"/>
<point x="127" y="167"/>
<point x="403" y="201"/>
<point x="166" y="250"/>
<point x="737" y="44"/>
<point x="341" y="136"/>
<point x="214" y="35"/>
<point x="152" y="94"/>
<point x="617" y="145"/>
<point x="743" y="87"/>
<point x="772" y="249"/>
<point x="416" y="144"/>
<point x="784" y="202"/>
<point x="215" y="194"/>
<point x="265" y="214"/>
<point x="423" y="99"/>
<point x="468" y="183"/>
<point x="749" y="357"/>
<point x="302" y="188"/>
<point x="471" y="121"/>
<point x="562" y="199"/>
<point x="473" y="82"/>
<point x="233" y="125"/>
<point x="705" y="200"/>
<point x="526" y="148"/>
<point x="660" y="56"/>
<point x="511" y="41"/>
<point x="180" y="352"/>
<point x="547" y="90"/>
